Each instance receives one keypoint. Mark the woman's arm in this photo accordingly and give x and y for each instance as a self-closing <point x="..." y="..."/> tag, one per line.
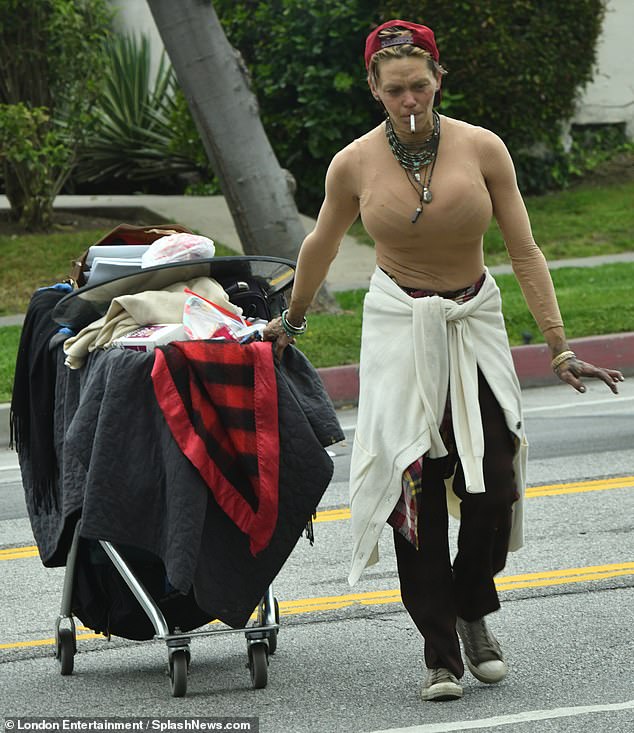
<point x="319" y="248"/>
<point x="528" y="262"/>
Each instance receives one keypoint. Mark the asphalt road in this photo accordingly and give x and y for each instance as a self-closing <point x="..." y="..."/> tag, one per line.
<point x="349" y="659"/>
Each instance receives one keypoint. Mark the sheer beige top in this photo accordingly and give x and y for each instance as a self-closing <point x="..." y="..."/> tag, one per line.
<point x="473" y="180"/>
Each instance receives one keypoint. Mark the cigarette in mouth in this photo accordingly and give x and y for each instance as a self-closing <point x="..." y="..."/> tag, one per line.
<point x="412" y="123"/>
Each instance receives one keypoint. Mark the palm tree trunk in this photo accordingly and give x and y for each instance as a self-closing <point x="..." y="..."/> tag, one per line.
<point x="226" y="114"/>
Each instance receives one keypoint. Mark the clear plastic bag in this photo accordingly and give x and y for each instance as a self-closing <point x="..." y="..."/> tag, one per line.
<point x="178" y="247"/>
<point x="203" y="319"/>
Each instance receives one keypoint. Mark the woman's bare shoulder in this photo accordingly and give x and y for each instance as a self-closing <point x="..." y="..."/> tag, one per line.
<point x="348" y="158"/>
<point x="480" y="136"/>
<point x="369" y="138"/>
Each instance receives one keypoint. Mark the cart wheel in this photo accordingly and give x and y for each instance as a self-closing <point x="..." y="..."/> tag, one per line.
<point x="65" y="651"/>
<point x="178" y="672"/>
<point x="272" y="635"/>
<point x="258" y="665"/>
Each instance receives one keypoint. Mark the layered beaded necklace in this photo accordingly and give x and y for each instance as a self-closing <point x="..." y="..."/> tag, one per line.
<point x="418" y="161"/>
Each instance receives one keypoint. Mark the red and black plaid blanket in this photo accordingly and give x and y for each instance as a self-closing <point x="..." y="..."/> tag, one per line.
<point x="220" y="403"/>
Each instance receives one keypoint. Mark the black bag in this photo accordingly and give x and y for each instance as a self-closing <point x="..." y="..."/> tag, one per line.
<point x="104" y="603"/>
<point x="251" y="297"/>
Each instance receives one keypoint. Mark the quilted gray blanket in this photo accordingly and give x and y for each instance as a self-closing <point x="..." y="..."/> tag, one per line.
<point x="122" y="473"/>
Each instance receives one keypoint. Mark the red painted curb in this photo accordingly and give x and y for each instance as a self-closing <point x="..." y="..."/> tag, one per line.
<point x="616" y="351"/>
<point x="532" y="364"/>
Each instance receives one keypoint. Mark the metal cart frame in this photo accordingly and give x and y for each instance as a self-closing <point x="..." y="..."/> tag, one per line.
<point x="261" y="636"/>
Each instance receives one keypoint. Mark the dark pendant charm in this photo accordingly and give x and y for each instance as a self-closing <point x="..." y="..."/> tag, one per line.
<point x="417" y="213"/>
<point x="427" y="197"/>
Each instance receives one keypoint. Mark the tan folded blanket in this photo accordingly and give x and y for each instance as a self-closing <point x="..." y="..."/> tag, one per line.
<point x="127" y="312"/>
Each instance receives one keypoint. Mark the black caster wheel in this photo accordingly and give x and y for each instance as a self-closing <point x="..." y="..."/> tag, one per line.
<point x="259" y="665"/>
<point x="178" y="664"/>
<point x="65" y="651"/>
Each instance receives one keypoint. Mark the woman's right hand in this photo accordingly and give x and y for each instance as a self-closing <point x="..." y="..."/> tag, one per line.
<point x="274" y="331"/>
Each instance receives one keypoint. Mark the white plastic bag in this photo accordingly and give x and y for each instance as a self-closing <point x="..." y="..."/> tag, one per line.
<point x="177" y="247"/>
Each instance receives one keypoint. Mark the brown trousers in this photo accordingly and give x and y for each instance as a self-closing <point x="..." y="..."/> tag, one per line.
<point x="434" y="592"/>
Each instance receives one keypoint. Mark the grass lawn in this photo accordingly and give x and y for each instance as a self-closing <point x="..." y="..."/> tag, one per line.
<point x="584" y="221"/>
<point x="579" y="222"/>
<point x="9" y="340"/>
<point x="593" y="301"/>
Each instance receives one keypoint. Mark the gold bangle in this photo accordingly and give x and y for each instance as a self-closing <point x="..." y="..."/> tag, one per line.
<point x="561" y="358"/>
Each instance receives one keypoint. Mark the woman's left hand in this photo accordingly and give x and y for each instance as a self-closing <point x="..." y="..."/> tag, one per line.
<point x="572" y="370"/>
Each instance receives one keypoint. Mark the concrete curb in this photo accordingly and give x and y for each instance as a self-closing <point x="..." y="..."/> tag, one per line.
<point x="532" y="364"/>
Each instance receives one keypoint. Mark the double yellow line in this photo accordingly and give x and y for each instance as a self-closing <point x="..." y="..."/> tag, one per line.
<point x="541" y="579"/>
<point x="18" y="553"/>
<point x="532" y="492"/>
<point x="336" y="515"/>
<point x="510" y="582"/>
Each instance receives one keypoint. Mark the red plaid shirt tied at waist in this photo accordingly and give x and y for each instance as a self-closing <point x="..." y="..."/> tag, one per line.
<point x="404" y="517"/>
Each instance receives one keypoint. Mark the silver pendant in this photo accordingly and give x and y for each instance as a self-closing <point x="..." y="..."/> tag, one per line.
<point x="417" y="213"/>
<point x="427" y="197"/>
<point x="417" y="177"/>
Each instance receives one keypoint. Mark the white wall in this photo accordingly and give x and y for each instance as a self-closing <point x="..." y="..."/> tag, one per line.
<point x="609" y="98"/>
<point x="134" y="16"/>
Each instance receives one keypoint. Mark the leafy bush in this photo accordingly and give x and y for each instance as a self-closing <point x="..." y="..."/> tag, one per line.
<point x="590" y="146"/>
<point x="514" y="67"/>
<point x="307" y="70"/>
<point x="50" y="68"/>
<point x="141" y="133"/>
<point x="36" y="155"/>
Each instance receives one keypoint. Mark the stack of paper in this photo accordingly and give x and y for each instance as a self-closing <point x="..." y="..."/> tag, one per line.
<point x="108" y="261"/>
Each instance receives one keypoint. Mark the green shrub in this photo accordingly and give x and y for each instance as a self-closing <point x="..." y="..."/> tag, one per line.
<point x="50" y="70"/>
<point x="307" y="71"/>
<point x="34" y="150"/>
<point x="515" y="67"/>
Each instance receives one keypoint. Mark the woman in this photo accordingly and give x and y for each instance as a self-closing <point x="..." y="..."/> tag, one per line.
<point x="439" y="399"/>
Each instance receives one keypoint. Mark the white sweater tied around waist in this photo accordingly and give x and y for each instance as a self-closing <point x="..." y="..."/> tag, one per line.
<point x="412" y="351"/>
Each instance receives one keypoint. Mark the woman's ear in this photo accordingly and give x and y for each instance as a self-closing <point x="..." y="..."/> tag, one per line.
<point x="373" y="90"/>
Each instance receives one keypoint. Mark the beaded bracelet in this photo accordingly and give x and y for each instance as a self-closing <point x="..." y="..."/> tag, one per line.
<point x="289" y="329"/>
<point x="561" y="358"/>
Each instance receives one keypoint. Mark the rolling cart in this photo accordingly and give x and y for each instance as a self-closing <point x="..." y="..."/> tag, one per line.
<point x="259" y="285"/>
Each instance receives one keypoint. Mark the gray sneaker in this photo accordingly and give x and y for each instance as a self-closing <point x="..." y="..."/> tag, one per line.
<point x="440" y="684"/>
<point x="484" y="654"/>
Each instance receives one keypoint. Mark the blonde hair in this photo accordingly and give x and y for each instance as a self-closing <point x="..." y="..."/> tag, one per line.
<point x="399" y="51"/>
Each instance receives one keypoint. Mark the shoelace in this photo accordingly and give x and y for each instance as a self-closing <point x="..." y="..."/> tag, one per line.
<point x="480" y="642"/>
<point x="440" y="675"/>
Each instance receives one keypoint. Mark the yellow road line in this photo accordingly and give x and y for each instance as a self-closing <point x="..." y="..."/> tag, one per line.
<point x="624" y="482"/>
<point x="336" y="515"/>
<point x="18" y="550"/>
<point x="532" y="492"/>
<point x="510" y="582"/>
<point x="47" y="642"/>
<point x="542" y="579"/>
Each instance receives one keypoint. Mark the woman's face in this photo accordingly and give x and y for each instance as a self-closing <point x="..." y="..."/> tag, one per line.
<point x="407" y="86"/>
